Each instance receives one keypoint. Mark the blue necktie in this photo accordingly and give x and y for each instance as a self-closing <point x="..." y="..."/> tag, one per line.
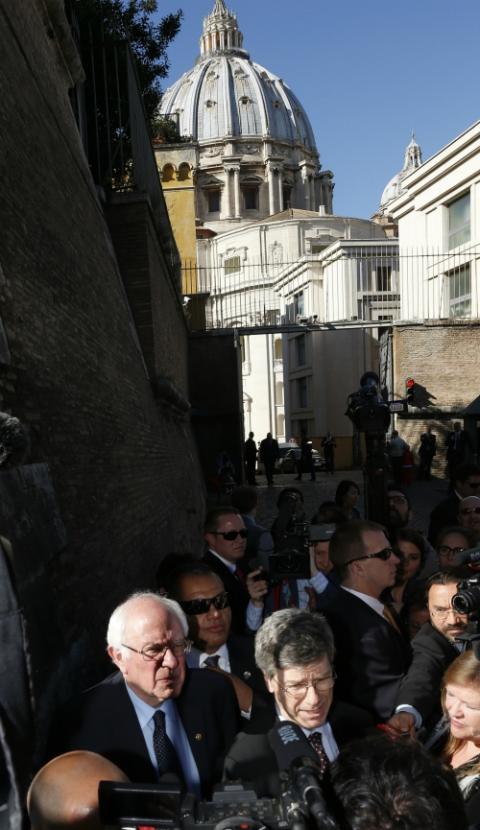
<point x="165" y="754"/>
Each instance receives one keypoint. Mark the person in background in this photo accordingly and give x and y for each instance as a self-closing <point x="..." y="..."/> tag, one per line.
<point x="329" y="445"/>
<point x="450" y="542"/>
<point x="396" y="448"/>
<point x="466" y="483"/>
<point x="457" y="448"/>
<point x="250" y="456"/>
<point x="469" y="515"/>
<point x="410" y="548"/>
<point x="346" y="498"/>
<point x="269" y="453"/>
<point x="426" y="453"/>
<point x="414" y="614"/>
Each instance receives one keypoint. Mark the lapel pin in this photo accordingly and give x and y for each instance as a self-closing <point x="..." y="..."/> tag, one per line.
<point x="198" y="736"/>
<point x="247" y="675"/>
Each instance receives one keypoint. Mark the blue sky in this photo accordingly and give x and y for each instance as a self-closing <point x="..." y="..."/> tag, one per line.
<point x="366" y="72"/>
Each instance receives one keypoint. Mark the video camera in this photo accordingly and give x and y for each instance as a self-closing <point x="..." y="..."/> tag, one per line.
<point x="467" y="599"/>
<point x="366" y="407"/>
<point x="301" y="805"/>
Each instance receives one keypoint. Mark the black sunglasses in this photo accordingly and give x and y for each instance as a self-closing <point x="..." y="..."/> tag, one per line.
<point x="231" y="535"/>
<point x="193" y="607"/>
<point x="382" y="554"/>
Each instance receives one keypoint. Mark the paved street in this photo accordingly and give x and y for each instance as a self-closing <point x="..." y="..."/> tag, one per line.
<point x="424" y="495"/>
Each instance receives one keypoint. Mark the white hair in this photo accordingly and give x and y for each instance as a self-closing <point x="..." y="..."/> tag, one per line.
<point x="119" y="618"/>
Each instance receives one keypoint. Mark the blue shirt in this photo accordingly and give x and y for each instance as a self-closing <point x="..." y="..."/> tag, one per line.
<point x="175" y="732"/>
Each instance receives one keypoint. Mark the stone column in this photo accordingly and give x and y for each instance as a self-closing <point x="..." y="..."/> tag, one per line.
<point x="236" y="192"/>
<point x="227" y="211"/>
<point x="271" y="187"/>
<point x="280" y="190"/>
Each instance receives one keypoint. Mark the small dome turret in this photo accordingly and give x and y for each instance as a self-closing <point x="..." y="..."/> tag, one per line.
<point x="412" y="160"/>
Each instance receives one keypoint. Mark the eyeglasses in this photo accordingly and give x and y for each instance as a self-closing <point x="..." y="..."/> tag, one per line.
<point x="448" y="552"/>
<point x="466" y="511"/>
<point x="384" y="554"/>
<point x="157" y="651"/>
<point x="193" y="607"/>
<point x="299" y="690"/>
<point x="397" y="499"/>
<point x="442" y="613"/>
<point x="231" y="535"/>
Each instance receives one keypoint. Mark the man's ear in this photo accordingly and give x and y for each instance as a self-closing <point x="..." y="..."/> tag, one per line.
<point x="116" y="656"/>
<point x="269" y="683"/>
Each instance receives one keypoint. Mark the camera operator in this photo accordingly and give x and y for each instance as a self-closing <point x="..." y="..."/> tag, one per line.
<point x="294" y="650"/>
<point x="64" y="793"/>
<point x="434" y="648"/>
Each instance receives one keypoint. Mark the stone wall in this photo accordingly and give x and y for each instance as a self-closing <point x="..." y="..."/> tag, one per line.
<point x="443" y="359"/>
<point x="120" y="459"/>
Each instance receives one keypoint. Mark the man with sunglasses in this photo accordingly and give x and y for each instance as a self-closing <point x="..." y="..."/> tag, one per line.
<point x="153" y="716"/>
<point x="226" y="537"/>
<point x="202" y="596"/>
<point x="372" y="653"/>
<point x="294" y="649"/>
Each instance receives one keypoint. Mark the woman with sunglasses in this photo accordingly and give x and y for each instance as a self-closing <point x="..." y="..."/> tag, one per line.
<point x="461" y="704"/>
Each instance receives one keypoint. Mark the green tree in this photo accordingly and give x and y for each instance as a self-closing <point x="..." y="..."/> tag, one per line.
<point x="134" y="21"/>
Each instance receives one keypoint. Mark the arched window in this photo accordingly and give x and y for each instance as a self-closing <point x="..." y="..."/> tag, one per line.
<point x="183" y="172"/>
<point x="168" y="173"/>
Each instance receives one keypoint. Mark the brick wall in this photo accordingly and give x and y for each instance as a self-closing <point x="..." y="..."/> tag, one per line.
<point x="443" y="359"/>
<point x="121" y="461"/>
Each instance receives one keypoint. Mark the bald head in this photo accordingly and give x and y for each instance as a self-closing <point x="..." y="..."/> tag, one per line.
<point x="64" y="793"/>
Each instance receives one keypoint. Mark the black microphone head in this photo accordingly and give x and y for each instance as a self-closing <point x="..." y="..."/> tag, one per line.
<point x="289" y="744"/>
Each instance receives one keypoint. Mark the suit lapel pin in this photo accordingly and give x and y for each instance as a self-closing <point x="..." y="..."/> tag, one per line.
<point x="198" y="736"/>
<point x="247" y="675"/>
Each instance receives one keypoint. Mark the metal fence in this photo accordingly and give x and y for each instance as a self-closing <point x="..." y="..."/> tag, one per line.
<point x="359" y="284"/>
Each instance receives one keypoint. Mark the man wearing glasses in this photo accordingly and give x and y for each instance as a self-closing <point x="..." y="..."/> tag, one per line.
<point x="294" y="650"/>
<point x="153" y="716"/>
<point x="226" y="537"/>
<point x="434" y="648"/>
<point x="372" y="653"/>
<point x="202" y="596"/>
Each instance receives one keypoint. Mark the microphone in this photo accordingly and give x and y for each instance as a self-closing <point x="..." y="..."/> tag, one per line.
<point x="289" y="743"/>
<point x="468" y="557"/>
<point x="295" y="754"/>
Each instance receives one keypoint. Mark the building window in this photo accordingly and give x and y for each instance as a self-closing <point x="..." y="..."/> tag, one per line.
<point x="300" y="350"/>
<point x="459" y="221"/>
<point x="250" y="198"/>
<point x="213" y="197"/>
<point x="384" y="277"/>
<point x="299" y="304"/>
<point x="232" y="265"/>
<point x="278" y="348"/>
<point x="302" y="393"/>
<point x="459" y="292"/>
<point x="279" y="393"/>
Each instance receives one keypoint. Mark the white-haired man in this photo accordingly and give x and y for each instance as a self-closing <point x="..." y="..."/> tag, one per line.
<point x="153" y="716"/>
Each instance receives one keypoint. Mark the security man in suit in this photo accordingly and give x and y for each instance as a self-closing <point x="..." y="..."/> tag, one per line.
<point x="201" y="594"/>
<point x="226" y="537"/>
<point x="372" y="653"/>
<point x="153" y="716"/>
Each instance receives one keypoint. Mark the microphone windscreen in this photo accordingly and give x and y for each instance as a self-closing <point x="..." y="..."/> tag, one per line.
<point x="289" y="743"/>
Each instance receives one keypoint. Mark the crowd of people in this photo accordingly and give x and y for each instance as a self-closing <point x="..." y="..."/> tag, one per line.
<point x="363" y="653"/>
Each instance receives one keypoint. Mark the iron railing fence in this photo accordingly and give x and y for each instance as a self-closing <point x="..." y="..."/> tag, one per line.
<point x="358" y="285"/>
<point x="117" y="137"/>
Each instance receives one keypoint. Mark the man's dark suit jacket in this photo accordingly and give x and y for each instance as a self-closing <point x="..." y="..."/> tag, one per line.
<point x="443" y="515"/>
<point x="241" y="654"/>
<point x="371" y="655"/>
<point x="237" y="593"/>
<point x="251" y="758"/>
<point x="103" y="720"/>
<point x="432" y="654"/>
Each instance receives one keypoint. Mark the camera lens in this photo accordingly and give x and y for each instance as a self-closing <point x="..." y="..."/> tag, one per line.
<point x="467" y="600"/>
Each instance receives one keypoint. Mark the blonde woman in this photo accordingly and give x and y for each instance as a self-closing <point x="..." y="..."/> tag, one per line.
<point x="461" y="703"/>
